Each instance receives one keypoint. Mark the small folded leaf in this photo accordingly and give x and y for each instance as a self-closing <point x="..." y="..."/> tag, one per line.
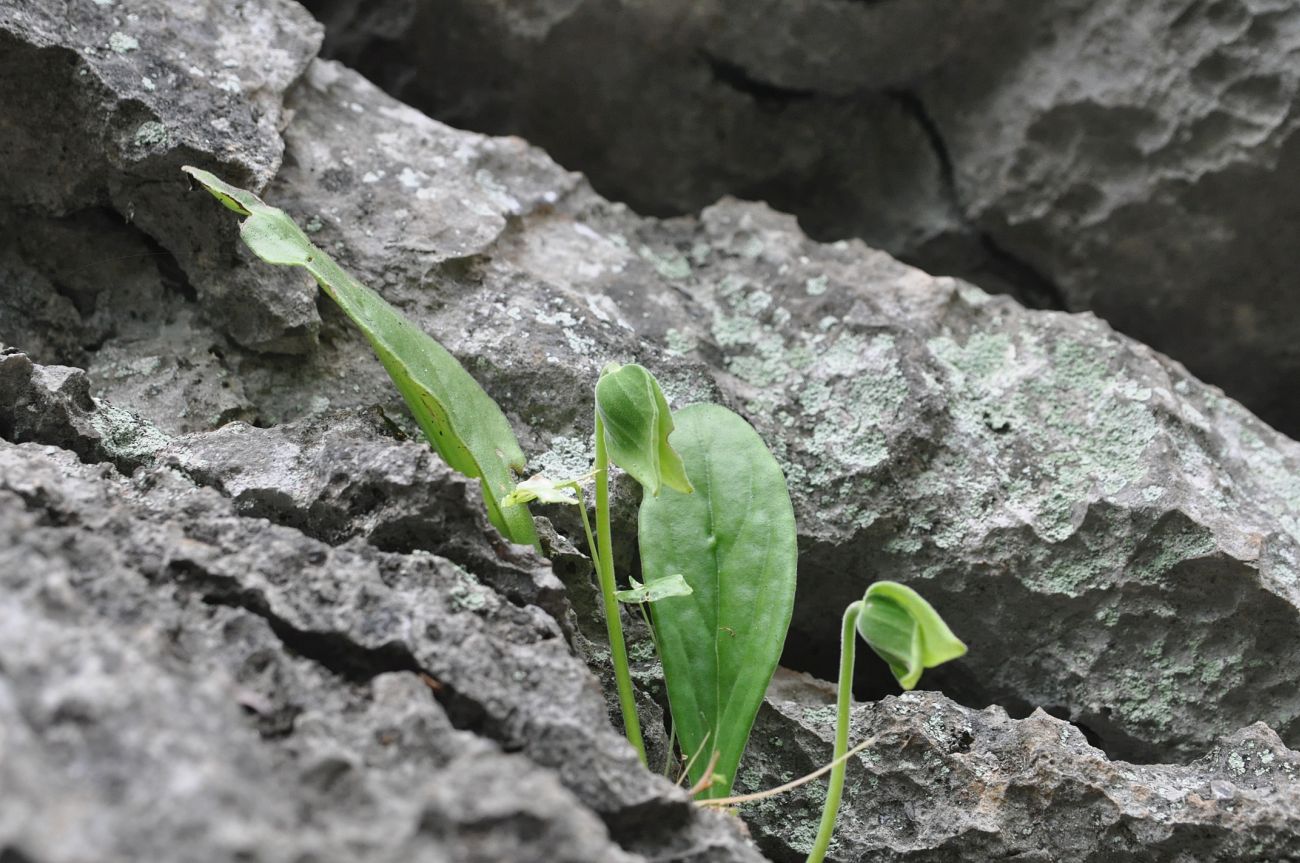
<point x="637" y="423"/>
<point x="459" y="418"/>
<point x="663" y="588"/>
<point x="905" y="631"/>
<point x="542" y="490"/>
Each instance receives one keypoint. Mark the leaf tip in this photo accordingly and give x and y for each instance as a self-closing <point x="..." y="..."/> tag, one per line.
<point x="224" y="192"/>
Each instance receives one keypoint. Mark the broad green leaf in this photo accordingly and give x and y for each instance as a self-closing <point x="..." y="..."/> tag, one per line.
<point x="637" y="424"/>
<point x="663" y="588"/>
<point x="461" y="421"/>
<point x="734" y="541"/>
<point x="541" y="489"/>
<point x="905" y="631"/>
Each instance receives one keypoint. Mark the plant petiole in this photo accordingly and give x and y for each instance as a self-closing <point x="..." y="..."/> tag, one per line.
<point x="843" y="702"/>
<point x="613" y="622"/>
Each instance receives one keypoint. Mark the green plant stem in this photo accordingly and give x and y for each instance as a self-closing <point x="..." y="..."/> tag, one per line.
<point x="592" y="548"/>
<point x="844" y="700"/>
<point x="613" y="622"/>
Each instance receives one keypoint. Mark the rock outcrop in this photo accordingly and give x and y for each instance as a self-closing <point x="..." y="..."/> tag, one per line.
<point x="1117" y="541"/>
<point x="1132" y="158"/>
<point x="184" y="679"/>
<point x="945" y="782"/>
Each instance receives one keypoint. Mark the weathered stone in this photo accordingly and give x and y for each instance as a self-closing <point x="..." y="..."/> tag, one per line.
<point x="1117" y="541"/>
<point x="945" y="782"/>
<point x="232" y="689"/>
<point x="1074" y="481"/>
<point x="53" y="405"/>
<point x="1137" y="159"/>
<point x="930" y="433"/>
<point x="103" y="102"/>
<point x="93" y="292"/>
<point x="338" y="476"/>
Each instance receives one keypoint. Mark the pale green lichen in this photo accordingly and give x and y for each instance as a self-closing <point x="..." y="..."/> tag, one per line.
<point x="679" y="342"/>
<point x="126" y="436"/>
<point x="122" y="43"/>
<point x="468" y="594"/>
<point x="568" y="457"/>
<point x="151" y="134"/>
<point x="849" y="385"/>
<point x="673" y="266"/>
<point x="1067" y="392"/>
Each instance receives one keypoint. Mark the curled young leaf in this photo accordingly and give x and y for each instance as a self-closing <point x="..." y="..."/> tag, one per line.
<point x="637" y="422"/>
<point x="662" y="588"/>
<point x="461" y="421"/>
<point x="905" y="631"/>
<point x="539" y="488"/>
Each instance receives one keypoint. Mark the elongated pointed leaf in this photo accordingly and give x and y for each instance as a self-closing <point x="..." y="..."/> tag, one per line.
<point x="461" y="421"/>
<point x="663" y="588"/>
<point x="637" y="423"/>
<point x="734" y="541"/>
<point x="905" y="631"/>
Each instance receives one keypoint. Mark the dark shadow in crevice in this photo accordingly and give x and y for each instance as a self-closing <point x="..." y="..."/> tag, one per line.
<point x="738" y="79"/>
<point x="339" y="654"/>
<point x="1029" y="285"/>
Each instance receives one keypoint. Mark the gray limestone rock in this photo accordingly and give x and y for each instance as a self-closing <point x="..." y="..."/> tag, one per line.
<point x="1139" y="159"/>
<point x="945" y="782"/>
<point x="1117" y="541"/>
<point x="53" y="405"/>
<point x="180" y="681"/>
<point x="104" y="101"/>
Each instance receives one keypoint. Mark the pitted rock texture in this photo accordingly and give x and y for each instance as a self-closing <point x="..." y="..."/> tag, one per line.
<point x="1116" y="540"/>
<point x="1139" y="159"/>
<point x="105" y="101"/>
<point x="341" y="475"/>
<point x="230" y="689"/>
<point x="53" y="405"/>
<point x="945" y="782"/>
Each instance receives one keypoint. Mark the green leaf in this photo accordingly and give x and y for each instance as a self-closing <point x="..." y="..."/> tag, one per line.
<point x="663" y="588"/>
<point x="461" y="421"/>
<point x="540" y="488"/>
<point x="734" y="541"/>
<point x="637" y="423"/>
<point x="906" y="631"/>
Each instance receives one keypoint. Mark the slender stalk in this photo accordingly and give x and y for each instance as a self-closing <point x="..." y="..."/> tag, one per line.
<point x="844" y="700"/>
<point x="672" y="745"/>
<point x="586" y="527"/>
<point x="722" y="802"/>
<point x="613" y="623"/>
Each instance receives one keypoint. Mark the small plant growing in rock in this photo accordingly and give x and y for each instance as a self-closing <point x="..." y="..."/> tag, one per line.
<point x="718" y="554"/>
<point x="905" y="631"/>
<point x="460" y="420"/>
<point x="716" y="527"/>
<point x="632" y="426"/>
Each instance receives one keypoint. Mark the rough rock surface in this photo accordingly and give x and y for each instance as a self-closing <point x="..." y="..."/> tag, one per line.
<point x="185" y="681"/>
<point x="1116" y="540"/>
<point x="931" y="433"/>
<point x="945" y="782"/>
<point x="1140" y="159"/>
<point x="103" y="102"/>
